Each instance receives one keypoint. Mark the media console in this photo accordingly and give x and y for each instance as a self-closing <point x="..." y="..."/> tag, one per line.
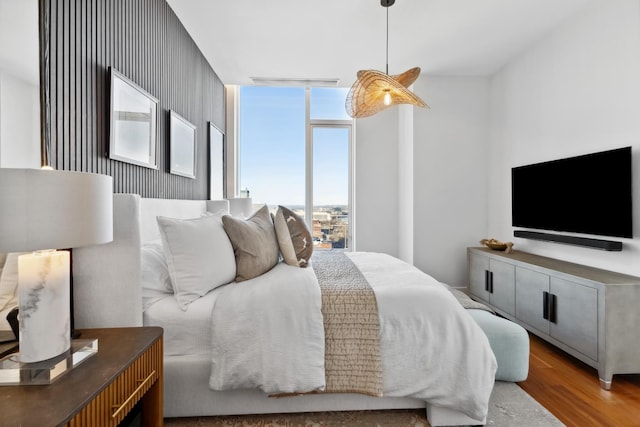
<point x="590" y="313"/>
<point x="606" y="245"/>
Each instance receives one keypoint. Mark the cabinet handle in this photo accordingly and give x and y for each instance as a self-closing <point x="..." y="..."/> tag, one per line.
<point x="552" y="309"/>
<point x="486" y="280"/>
<point x="491" y="282"/>
<point x="133" y="395"/>
<point x="545" y="305"/>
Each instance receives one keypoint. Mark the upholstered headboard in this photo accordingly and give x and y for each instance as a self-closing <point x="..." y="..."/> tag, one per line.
<point x="106" y="278"/>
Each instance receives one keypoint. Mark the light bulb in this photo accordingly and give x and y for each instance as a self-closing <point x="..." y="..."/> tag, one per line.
<point x="387" y="98"/>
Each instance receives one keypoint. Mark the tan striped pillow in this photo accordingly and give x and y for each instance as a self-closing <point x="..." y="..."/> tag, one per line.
<point x="294" y="238"/>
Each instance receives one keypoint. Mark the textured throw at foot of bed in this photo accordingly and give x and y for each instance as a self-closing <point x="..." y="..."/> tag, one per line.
<point x="351" y="326"/>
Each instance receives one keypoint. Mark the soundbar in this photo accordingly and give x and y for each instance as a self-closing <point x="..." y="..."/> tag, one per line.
<point x="605" y="245"/>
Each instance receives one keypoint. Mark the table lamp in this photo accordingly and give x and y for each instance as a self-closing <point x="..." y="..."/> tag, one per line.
<point x="41" y="211"/>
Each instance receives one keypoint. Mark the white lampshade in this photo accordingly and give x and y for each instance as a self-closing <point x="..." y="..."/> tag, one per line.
<point x="51" y="209"/>
<point x="43" y="210"/>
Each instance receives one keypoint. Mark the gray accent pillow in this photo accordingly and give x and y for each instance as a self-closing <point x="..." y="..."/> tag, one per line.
<point x="254" y="243"/>
<point x="294" y="238"/>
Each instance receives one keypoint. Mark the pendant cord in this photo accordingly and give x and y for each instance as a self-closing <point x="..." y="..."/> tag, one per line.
<point x="387" y="58"/>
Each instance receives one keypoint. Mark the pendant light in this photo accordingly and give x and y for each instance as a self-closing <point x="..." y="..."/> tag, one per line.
<point x="374" y="91"/>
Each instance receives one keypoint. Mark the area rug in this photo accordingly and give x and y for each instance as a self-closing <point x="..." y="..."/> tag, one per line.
<point x="509" y="406"/>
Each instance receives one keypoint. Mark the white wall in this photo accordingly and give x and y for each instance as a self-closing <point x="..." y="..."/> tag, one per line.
<point x="376" y="175"/>
<point x="450" y="174"/>
<point x="405" y="183"/>
<point x="19" y="123"/>
<point x="19" y="83"/>
<point x="577" y="91"/>
<point x="232" y="95"/>
<point x="437" y="193"/>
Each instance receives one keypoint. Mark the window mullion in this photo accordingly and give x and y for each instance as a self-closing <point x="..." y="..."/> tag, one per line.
<point x="308" y="204"/>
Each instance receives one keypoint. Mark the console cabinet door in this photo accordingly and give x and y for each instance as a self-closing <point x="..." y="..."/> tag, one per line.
<point x="501" y="276"/>
<point x="577" y="316"/>
<point x="530" y="288"/>
<point x="478" y="266"/>
<point x="503" y="295"/>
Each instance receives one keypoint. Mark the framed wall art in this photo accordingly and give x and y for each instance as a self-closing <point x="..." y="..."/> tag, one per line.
<point x="182" y="141"/>
<point x="133" y="122"/>
<point x="216" y="163"/>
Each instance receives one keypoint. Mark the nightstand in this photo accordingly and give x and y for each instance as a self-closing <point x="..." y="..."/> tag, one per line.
<point x="102" y="390"/>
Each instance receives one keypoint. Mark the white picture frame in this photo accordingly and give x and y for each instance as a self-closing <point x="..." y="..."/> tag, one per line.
<point x="133" y="121"/>
<point x="182" y="146"/>
<point x="217" y="172"/>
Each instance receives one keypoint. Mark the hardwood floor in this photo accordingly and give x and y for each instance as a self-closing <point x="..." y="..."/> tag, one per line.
<point x="570" y="389"/>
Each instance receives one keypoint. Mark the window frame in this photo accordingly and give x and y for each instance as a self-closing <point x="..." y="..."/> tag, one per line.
<point x="310" y="124"/>
<point x="308" y="203"/>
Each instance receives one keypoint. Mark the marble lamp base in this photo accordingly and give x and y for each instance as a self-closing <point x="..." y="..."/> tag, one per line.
<point x="44" y="316"/>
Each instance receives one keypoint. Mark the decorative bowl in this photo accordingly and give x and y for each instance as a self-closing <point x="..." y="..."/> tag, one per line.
<point x="497" y="245"/>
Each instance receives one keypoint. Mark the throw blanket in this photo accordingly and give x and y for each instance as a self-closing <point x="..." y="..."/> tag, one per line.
<point x="352" y="359"/>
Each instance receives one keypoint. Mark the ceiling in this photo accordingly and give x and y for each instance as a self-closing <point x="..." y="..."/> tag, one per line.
<point x="335" y="38"/>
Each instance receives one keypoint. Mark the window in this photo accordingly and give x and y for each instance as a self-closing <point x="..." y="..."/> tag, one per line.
<point x="328" y="104"/>
<point x="295" y="150"/>
<point x="271" y="155"/>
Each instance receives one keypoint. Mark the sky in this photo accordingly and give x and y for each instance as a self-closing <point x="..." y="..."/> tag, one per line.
<point x="272" y="145"/>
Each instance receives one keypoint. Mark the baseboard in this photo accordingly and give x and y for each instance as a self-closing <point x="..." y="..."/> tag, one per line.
<point x="605" y="245"/>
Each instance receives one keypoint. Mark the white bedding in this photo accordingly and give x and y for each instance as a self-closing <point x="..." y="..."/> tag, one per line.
<point x="267" y="333"/>
<point x="431" y="348"/>
<point x="185" y="332"/>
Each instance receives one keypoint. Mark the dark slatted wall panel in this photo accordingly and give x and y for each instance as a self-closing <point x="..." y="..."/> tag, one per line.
<point x="145" y="41"/>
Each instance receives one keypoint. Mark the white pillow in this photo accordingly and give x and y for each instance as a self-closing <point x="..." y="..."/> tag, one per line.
<point x="156" y="281"/>
<point x="9" y="282"/>
<point x="199" y="255"/>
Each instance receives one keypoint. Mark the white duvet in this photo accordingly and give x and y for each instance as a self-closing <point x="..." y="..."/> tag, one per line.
<point x="267" y="333"/>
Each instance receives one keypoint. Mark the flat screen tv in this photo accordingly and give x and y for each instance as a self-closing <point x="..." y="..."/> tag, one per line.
<point x="588" y="194"/>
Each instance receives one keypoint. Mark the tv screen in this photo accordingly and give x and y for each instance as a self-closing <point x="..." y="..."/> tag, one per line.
<point x="588" y="194"/>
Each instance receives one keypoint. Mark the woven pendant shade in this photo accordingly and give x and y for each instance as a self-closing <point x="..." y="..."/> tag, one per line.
<point x="374" y="90"/>
<point x="366" y="96"/>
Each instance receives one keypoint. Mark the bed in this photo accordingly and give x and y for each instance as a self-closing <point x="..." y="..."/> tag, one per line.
<point x="451" y="376"/>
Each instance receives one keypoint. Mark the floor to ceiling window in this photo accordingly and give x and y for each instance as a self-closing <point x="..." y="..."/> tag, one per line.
<point x="295" y="149"/>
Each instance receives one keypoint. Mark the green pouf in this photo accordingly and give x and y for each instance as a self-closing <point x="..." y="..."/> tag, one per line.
<point x="509" y="342"/>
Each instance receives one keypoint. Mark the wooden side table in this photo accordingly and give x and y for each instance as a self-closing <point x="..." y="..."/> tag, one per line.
<point x="101" y="391"/>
